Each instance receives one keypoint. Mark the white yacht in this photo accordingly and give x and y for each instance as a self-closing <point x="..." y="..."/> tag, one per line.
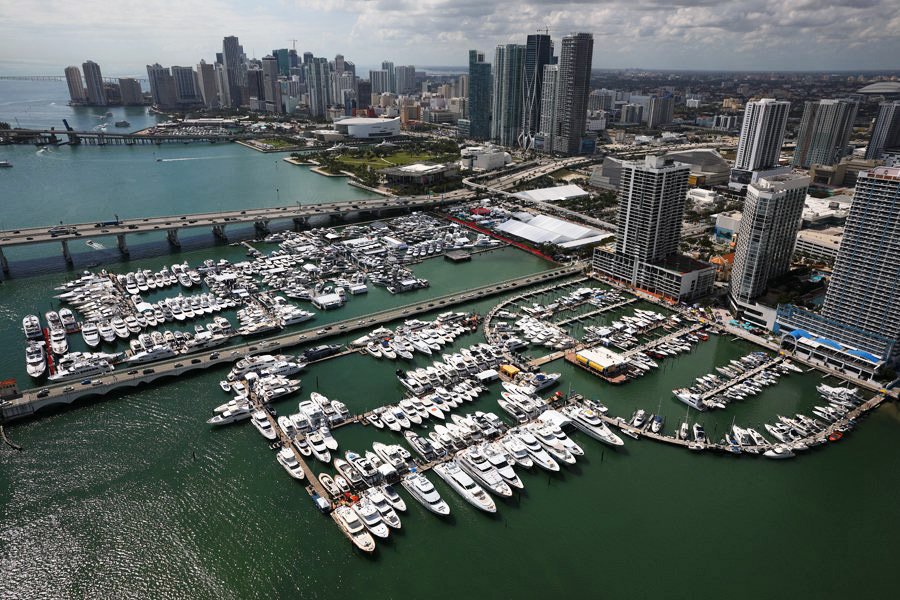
<point x="154" y="353"/>
<point x="475" y="463"/>
<point x="329" y="440"/>
<point x="260" y="420"/>
<point x="59" y="344"/>
<point x="554" y="447"/>
<point x="350" y="523"/>
<point x="106" y="331"/>
<point x="240" y="412"/>
<point x="517" y="451"/>
<point x="392" y="497"/>
<point x="424" y="493"/>
<point x="536" y="451"/>
<point x="590" y="423"/>
<point x="388" y="514"/>
<point x="35" y="359"/>
<point x="287" y="460"/>
<point x="463" y="485"/>
<point x="84" y="368"/>
<point x="32" y="327"/>
<point x="317" y="444"/>
<point x="90" y="334"/>
<point x="497" y="459"/>
<point x="371" y="518"/>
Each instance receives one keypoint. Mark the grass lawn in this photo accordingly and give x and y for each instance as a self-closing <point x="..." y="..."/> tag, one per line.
<point x="397" y="159"/>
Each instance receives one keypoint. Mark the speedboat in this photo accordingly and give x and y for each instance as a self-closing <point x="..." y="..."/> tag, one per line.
<point x="348" y="520"/>
<point x="375" y="419"/>
<point x="463" y="485"/>
<point x="779" y="451"/>
<point x="371" y="517"/>
<point x="329" y="484"/>
<point x="287" y="460"/>
<point x="348" y="471"/>
<point x="424" y="493"/>
<point x="475" y="463"/>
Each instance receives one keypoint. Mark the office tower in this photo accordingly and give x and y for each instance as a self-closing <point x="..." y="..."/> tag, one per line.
<point x="283" y="59"/>
<point x="293" y="58"/>
<point x="762" y="134"/>
<point x="887" y="130"/>
<point x="77" y="93"/>
<point x="767" y="235"/>
<point x="538" y="54"/>
<point x="405" y="77"/>
<point x="256" y="90"/>
<point x="548" y="104"/>
<point x="652" y="194"/>
<point x="93" y="80"/>
<point x="363" y="93"/>
<point x="462" y="86"/>
<point x="206" y="81"/>
<point x="479" y="96"/>
<point x="307" y="58"/>
<point x="864" y="292"/>
<point x="572" y="88"/>
<point x="271" y="86"/>
<point x="380" y="81"/>
<point x="130" y="93"/>
<point x="232" y="53"/>
<point x="391" y="78"/>
<point x="186" y="90"/>
<point x="507" y="105"/>
<point x="350" y="67"/>
<point x="162" y="86"/>
<point x="318" y="83"/>
<point x="632" y="114"/>
<point x="824" y="132"/>
<point x="222" y="86"/>
<point x="338" y="63"/>
<point x="661" y="111"/>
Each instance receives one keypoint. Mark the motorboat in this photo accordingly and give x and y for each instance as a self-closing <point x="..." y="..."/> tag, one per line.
<point x="260" y="421"/>
<point x="371" y="518"/>
<point x="32" y="327"/>
<point x="329" y="440"/>
<point x="588" y="421"/>
<point x="393" y="497"/>
<point x="540" y="456"/>
<point x="497" y="459"/>
<point x="517" y="451"/>
<point x="369" y="473"/>
<point x="59" y="344"/>
<point x="90" y="334"/>
<point x="240" y="412"/>
<point x="350" y="523"/>
<point x="475" y="463"/>
<point x="778" y="452"/>
<point x="388" y="514"/>
<point x="287" y="460"/>
<point x="424" y="493"/>
<point x="463" y="485"/>
<point x="552" y="445"/>
<point x="35" y="359"/>
<point x="348" y="471"/>
<point x="317" y="445"/>
<point x="329" y="484"/>
<point x="394" y="455"/>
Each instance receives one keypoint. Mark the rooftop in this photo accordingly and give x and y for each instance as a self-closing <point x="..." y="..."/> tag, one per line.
<point x="552" y="194"/>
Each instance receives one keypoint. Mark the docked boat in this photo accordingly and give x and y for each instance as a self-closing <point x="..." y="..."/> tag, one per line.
<point x="552" y="445"/>
<point x="463" y="485"/>
<point x="497" y="459"/>
<point x="59" y="344"/>
<point x="80" y="369"/>
<point x="260" y="421"/>
<point x="388" y="514"/>
<point x="517" y="451"/>
<point x="35" y="359"/>
<point x="362" y="465"/>
<point x="348" y="472"/>
<point x="424" y="493"/>
<point x="287" y="460"/>
<point x="540" y="456"/>
<point x="240" y="412"/>
<point x="91" y="334"/>
<point x="32" y="327"/>
<point x="586" y="420"/>
<point x="350" y="523"/>
<point x="329" y="440"/>
<point x="371" y="518"/>
<point x="475" y="463"/>
<point x="317" y="445"/>
<point x="329" y="484"/>
<point x="392" y="497"/>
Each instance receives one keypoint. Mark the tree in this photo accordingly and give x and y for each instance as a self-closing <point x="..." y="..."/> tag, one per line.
<point x="4" y="125"/>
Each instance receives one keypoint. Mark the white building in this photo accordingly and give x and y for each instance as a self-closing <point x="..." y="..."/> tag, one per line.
<point x="702" y="199"/>
<point x="367" y="128"/>
<point x="762" y="135"/>
<point x="553" y="194"/>
<point x="484" y="158"/>
<point x="819" y="244"/>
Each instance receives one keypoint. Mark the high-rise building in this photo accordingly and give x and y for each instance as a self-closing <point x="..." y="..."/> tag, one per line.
<point x="186" y="90"/>
<point x="93" y="80"/>
<point x="270" y="67"/>
<point x="762" y="134"/>
<point x="283" y="58"/>
<point x="388" y="66"/>
<point x="318" y="85"/>
<point x="538" y="54"/>
<point x="405" y="77"/>
<point x="380" y="81"/>
<point x="652" y="195"/>
<point x="572" y="88"/>
<point x="256" y="90"/>
<point x="886" y="134"/>
<point x="548" y="104"/>
<point x="767" y="235"/>
<point x="662" y="109"/>
<point x="206" y="81"/>
<point x="479" y="96"/>
<point x="824" y="132"/>
<point x="77" y="93"/>
<point x="235" y="71"/>
<point x="864" y="292"/>
<point x="307" y="58"/>
<point x="130" y="93"/>
<point x="507" y="101"/>
<point x="162" y="86"/>
<point x="222" y="86"/>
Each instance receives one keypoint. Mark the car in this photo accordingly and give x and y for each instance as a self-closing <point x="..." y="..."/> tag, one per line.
<point x="253" y="348"/>
<point x="179" y="365"/>
<point x="272" y="344"/>
<point x="431" y="304"/>
<point x="342" y="327"/>
<point x="69" y="388"/>
<point x="85" y="382"/>
<point x="195" y="361"/>
<point x="321" y="332"/>
<point x="97" y="382"/>
<point x="148" y="371"/>
<point x="214" y="356"/>
<point x="405" y="312"/>
<point x="133" y="372"/>
<point x="43" y="392"/>
<point x="372" y="320"/>
<point x="132" y="227"/>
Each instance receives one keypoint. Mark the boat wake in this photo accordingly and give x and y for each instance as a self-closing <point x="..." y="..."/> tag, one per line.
<point x="190" y="158"/>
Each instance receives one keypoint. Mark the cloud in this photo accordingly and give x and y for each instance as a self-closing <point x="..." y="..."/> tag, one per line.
<point x="723" y="34"/>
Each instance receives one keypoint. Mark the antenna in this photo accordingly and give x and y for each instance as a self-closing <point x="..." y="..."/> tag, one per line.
<point x="294" y="42"/>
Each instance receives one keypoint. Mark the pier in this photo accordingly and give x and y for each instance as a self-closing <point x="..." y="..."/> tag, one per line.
<point x="662" y="340"/>
<point x="68" y="391"/>
<point x="594" y="313"/>
<point x="742" y="377"/>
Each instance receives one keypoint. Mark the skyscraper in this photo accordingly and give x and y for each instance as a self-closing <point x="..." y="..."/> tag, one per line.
<point x="405" y="77"/>
<point x="762" y="134"/>
<point x="381" y="82"/>
<point x="864" y="292"/>
<point x="768" y="233"/>
<point x="507" y="101"/>
<point x="206" y="80"/>
<point x="77" y="94"/>
<point x="162" y="86"/>
<point x="652" y="194"/>
<point x="130" y="92"/>
<point x="318" y="84"/>
<point x="661" y="111"/>
<point x="186" y="89"/>
<point x="93" y="80"/>
<point x="270" y="68"/>
<point x="388" y="66"/>
<point x="824" y="132"/>
<point x="479" y="96"/>
<point x="548" y="104"/>
<point x="572" y="88"/>
<point x="283" y="58"/>
<point x="538" y="54"/>
<point x="232" y="53"/>
<point x="887" y="130"/>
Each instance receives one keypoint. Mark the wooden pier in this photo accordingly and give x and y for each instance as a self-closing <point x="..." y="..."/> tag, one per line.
<point x="740" y="378"/>
<point x="594" y="313"/>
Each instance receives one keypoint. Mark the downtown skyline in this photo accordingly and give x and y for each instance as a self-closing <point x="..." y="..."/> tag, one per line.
<point x="650" y="34"/>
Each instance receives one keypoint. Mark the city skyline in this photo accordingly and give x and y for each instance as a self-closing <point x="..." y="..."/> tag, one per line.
<point x="651" y="34"/>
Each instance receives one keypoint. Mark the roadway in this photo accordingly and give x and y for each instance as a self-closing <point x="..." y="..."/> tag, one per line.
<point x="131" y="376"/>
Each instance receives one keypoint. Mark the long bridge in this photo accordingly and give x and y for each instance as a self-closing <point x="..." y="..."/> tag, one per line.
<point x="66" y="392"/>
<point x="217" y="221"/>
<point x="54" y="137"/>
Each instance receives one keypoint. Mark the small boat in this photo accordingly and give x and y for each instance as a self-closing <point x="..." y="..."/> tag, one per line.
<point x="778" y="452"/>
<point x="328" y="483"/>
<point x="329" y="440"/>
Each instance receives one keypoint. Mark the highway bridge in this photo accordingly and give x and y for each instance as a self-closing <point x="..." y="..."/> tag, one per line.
<point x="217" y="221"/>
<point x="126" y="376"/>
<point x="56" y="137"/>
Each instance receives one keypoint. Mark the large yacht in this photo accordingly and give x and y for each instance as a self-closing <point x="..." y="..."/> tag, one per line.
<point x="82" y="369"/>
<point x="239" y="412"/>
<point x="536" y="451"/>
<point x="35" y="359"/>
<point x="371" y="518"/>
<point x="154" y="353"/>
<point x="425" y="494"/>
<point x="91" y="334"/>
<point x="32" y="327"/>
<point x="590" y="423"/>
<point x="287" y="460"/>
<point x="260" y="420"/>
<point x="463" y="485"/>
<point x="59" y="344"/>
<point x="475" y="463"/>
<point x="349" y="522"/>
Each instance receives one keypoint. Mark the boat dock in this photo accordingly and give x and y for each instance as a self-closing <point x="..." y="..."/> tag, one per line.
<point x="66" y="392"/>
<point x="742" y="377"/>
<point x="649" y="345"/>
<point x="594" y="313"/>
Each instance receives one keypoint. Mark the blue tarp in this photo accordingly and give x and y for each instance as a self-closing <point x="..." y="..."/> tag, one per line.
<point x="864" y="355"/>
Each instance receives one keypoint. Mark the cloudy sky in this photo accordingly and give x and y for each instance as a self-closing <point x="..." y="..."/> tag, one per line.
<point x="41" y="37"/>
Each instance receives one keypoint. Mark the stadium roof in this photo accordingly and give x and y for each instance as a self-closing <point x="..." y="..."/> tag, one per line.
<point x="881" y="87"/>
